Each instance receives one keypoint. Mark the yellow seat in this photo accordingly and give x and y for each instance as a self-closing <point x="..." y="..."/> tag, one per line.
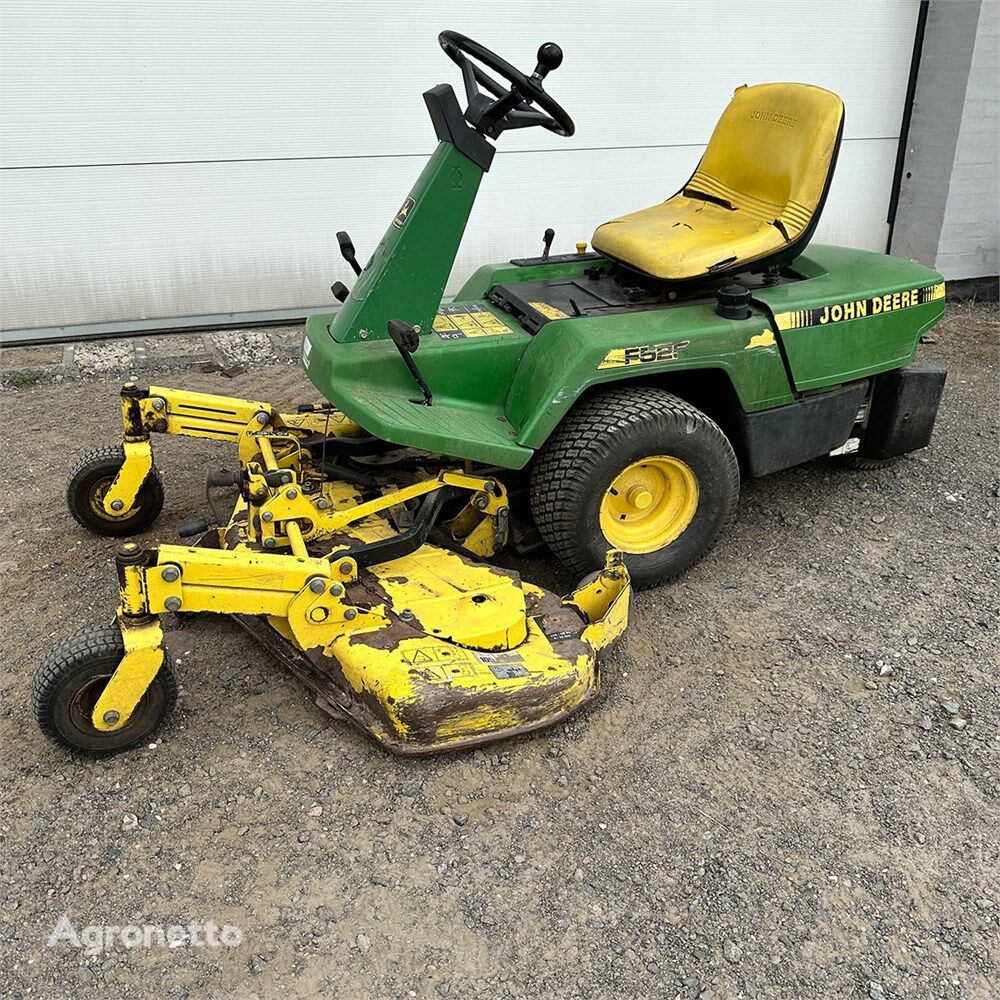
<point x="755" y="197"/>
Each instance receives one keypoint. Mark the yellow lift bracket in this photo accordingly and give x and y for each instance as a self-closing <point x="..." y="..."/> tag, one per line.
<point x="306" y="592"/>
<point x="162" y="410"/>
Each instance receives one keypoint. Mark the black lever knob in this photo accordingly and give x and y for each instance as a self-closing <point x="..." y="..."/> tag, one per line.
<point x="340" y="291"/>
<point x="404" y="336"/>
<point x="548" y="236"/>
<point x="348" y="252"/>
<point x="550" y="57"/>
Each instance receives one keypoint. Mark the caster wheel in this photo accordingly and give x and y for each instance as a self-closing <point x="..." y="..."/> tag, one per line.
<point x="860" y="463"/>
<point x="70" y="680"/>
<point x="89" y="482"/>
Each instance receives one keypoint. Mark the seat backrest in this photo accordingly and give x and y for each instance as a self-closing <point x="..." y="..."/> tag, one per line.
<point x="772" y="154"/>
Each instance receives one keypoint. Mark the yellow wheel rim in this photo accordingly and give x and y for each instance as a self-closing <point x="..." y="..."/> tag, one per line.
<point x="649" y="504"/>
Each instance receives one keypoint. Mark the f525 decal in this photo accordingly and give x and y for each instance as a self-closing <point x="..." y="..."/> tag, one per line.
<point x="651" y="354"/>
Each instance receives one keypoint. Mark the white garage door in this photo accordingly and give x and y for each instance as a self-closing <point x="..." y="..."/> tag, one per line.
<point x="170" y="158"/>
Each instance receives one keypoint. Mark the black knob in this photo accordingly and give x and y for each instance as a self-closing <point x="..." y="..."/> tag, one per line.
<point x="733" y="302"/>
<point x="550" y="57"/>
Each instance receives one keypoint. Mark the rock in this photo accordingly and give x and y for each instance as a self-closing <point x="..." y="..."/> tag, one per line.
<point x="325" y="912"/>
<point x="957" y="723"/>
<point x="875" y="990"/>
<point x="878" y="518"/>
<point x="304" y="836"/>
<point x="184" y="791"/>
<point x="950" y="705"/>
<point x="316" y="810"/>
<point x="460" y="819"/>
<point x="732" y="951"/>
<point x="926" y="723"/>
<point x="130" y="821"/>
<point x="364" y="945"/>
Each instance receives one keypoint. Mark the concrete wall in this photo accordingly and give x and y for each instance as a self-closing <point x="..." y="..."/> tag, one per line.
<point x="948" y="202"/>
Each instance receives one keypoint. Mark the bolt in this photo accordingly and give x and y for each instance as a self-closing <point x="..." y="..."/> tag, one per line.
<point x="267" y="516"/>
<point x="160" y="426"/>
<point x="322" y="503"/>
<point x="172" y="604"/>
<point x="291" y="494"/>
<point x="480" y="503"/>
<point x="350" y="614"/>
<point x="111" y="718"/>
<point x="490" y="486"/>
<point x="416" y="329"/>
<point x="346" y="568"/>
<point x="269" y="543"/>
<point x="336" y="590"/>
<point x="261" y="418"/>
<point x="317" y="585"/>
<point x="117" y="505"/>
<point x="171" y="573"/>
<point x="406" y="615"/>
<point x="363" y="334"/>
<point x="159" y="404"/>
<point x="285" y="478"/>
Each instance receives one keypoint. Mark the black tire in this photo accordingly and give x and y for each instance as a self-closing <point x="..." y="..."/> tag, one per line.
<point x="70" y="680"/>
<point x="88" y="483"/>
<point x="605" y="435"/>
<point x="860" y="463"/>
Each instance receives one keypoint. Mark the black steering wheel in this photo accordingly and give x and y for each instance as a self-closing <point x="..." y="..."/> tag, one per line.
<point x="512" y="105"/>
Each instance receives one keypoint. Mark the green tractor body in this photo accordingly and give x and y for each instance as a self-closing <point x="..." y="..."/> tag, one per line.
<point x="523" y="341"/>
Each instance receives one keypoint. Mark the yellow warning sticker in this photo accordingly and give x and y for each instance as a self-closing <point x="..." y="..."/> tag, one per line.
<point x="551" y="312"/>
<point x="457" y="322"/>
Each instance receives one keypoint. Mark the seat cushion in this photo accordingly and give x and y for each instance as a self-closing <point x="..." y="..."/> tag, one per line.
<point x="755" y="196"/>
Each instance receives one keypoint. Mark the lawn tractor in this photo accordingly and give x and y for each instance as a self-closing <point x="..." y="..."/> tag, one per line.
<point x="603" y="403"/>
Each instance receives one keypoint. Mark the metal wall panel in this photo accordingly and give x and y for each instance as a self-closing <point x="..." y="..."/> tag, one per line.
<point x="171" y="158"/>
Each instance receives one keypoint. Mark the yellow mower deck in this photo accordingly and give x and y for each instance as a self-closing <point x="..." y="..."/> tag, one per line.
<point x="426" y="648"/>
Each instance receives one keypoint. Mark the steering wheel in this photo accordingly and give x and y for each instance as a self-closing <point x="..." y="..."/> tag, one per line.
<point x="512" y="106"/>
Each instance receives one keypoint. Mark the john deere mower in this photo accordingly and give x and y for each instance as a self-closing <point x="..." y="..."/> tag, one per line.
<point x="602" y="403"/>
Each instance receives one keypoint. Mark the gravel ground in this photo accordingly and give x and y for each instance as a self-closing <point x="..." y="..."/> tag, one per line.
<point x="788" y="788"/>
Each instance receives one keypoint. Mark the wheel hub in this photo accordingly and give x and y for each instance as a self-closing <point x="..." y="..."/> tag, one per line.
<point x="649" y="504"/>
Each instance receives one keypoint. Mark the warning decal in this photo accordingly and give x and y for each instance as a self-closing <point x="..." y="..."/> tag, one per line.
<point x="458" y="321"/>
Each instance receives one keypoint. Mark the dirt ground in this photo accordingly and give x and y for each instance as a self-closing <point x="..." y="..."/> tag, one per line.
<point x="788" y="788"/>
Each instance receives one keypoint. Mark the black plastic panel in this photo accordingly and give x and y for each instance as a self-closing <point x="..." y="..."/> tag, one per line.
<point x="903" y="409"/>
<point x="789" y="435"/>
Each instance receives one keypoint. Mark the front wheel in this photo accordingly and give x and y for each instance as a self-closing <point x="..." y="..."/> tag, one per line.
<point x="89" y="482"/>
<point x="72" y="677"/>
<point x="640" y="470"/>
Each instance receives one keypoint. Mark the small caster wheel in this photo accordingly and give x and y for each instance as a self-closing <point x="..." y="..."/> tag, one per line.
<point x="860" y="463"/>
<point x="90" y="481"/>
<point x="70" y="680"/>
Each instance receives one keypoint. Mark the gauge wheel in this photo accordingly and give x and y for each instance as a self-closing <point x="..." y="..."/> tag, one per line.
<point x="70" y="680"/>
<point x="89" y="482"/>
<point x="640" y="470"/>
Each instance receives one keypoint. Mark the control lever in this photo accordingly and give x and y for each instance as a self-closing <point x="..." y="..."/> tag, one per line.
<point x="547" y="238"/>
<point x="407" y="340"/>
<point x="340" y="291"/>
<point x="347" y="251"/>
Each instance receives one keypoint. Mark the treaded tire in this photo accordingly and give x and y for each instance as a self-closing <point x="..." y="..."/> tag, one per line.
<point x="70" y="680"/>
<point x="860" y="463"/>
<point x="604" y="435"/>
<point x="97" y="469"/>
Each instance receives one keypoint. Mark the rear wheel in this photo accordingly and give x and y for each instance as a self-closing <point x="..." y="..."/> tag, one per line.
<point x="89" y="482"/>
<point x="640" y="470"/>
<point x="70" y="680"/>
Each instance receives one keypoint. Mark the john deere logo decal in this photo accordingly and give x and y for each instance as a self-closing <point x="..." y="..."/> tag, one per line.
<point x="842" y="312"/>
<point x="627" y="357"/>
<point x="404" y="213"/>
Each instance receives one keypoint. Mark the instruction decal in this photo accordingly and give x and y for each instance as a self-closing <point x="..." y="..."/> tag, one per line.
<point x="842" y="312"/>
<point x="549" y="312"/>
<point x="458" y="322"/>
<point x="652" y="354"/>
